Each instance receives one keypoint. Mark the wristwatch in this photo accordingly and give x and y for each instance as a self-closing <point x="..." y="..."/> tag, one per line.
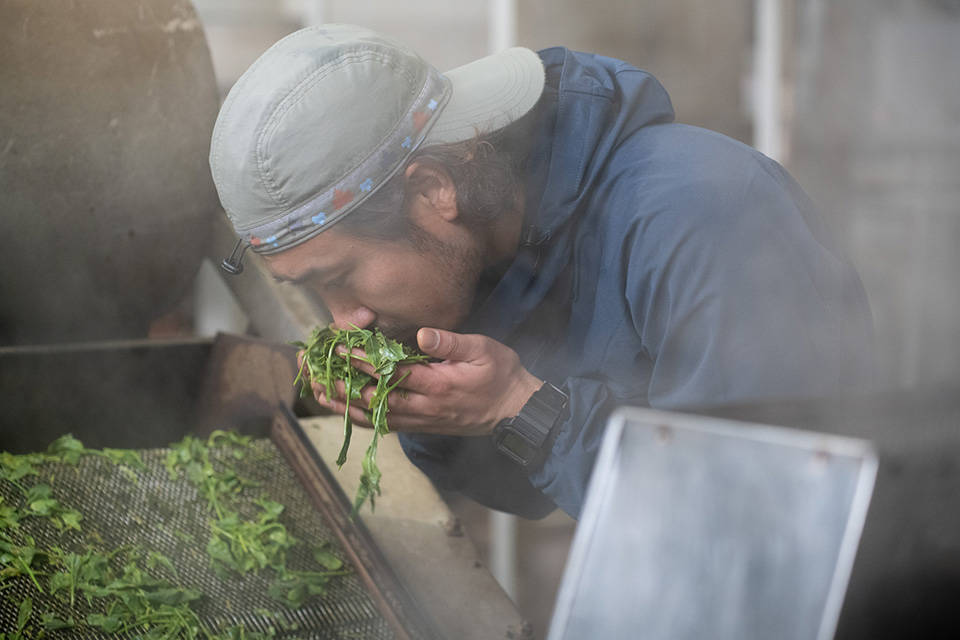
<point x="523" y="438"/>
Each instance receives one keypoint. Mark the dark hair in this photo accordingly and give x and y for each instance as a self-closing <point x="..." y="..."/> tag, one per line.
<point x="487" y="172"/>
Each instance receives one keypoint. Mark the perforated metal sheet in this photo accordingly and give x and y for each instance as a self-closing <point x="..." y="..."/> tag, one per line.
<point x="168" y="516"/>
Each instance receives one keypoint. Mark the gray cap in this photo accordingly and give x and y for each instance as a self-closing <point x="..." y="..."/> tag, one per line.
<point x="330" y="113"/>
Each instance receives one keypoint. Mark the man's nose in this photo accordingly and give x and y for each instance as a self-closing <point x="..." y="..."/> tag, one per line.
<point x="348" y="315"/>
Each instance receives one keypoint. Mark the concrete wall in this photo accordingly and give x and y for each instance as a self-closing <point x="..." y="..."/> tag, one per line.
<point x="876" y="142"/>
<point x="699" y="49"/>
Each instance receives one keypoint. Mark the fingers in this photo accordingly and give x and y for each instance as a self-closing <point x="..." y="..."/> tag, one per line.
<point x="437" y="343"/>
<point x="338" y="405"/>
<point x="406" y="408"/>
<point x="358" y="359"/>
<point x="418" y="385"/>
<point x="339" y="392"/>
<point x="418" y="377"/>
<point x="448" y="345"/>
<point x="400" y="400"/>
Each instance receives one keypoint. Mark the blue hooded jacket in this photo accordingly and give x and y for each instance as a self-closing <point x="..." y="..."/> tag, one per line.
<point x="667" y="266"/>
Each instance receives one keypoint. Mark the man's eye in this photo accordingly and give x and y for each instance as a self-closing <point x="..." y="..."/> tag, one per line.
<point x="335" y="283"/>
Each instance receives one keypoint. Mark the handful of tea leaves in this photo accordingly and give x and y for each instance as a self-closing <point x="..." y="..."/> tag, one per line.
<point x="322" y="364"/>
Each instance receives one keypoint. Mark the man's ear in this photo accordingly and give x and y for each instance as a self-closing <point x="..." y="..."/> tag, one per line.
<point x="432" y="188"/>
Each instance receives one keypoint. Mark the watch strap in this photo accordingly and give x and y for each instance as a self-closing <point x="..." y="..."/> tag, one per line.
<point x="532" y="425"/>
<point x="539" y="414"/>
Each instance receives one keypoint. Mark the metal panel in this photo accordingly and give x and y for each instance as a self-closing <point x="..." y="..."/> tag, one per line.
<point x="126" y="393"/>
<point x="906" y="578"/>
<point x="106" y="112"/>
<point x="703" y="528"/>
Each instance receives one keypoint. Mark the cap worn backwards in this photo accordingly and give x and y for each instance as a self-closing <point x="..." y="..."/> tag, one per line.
<point x="330" y="113"/>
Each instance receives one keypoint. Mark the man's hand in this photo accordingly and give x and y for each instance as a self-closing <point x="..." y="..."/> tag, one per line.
<point x="478" y="383"/>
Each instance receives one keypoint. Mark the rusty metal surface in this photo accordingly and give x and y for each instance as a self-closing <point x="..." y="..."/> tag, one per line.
<point x="125" y="394"/>
<point x="141" y="393"/>
<point x="246" y="380"/>
<point x="106" y="111"/>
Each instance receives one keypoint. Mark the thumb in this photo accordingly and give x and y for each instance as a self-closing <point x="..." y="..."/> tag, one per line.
<point x="448" y="345"/>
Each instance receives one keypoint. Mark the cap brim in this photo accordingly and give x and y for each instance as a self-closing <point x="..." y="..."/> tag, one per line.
<point x="488" y="94"/>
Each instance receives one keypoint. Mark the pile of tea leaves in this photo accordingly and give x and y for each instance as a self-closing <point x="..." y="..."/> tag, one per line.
<point x="50" y="553"/>
<point x="328" y="358"/>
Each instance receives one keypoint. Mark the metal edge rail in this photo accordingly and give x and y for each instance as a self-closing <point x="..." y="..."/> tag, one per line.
<point x="396" y="604"/>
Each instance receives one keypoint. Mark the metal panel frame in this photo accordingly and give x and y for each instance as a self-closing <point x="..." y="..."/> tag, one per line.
<point x="604" y="478"/>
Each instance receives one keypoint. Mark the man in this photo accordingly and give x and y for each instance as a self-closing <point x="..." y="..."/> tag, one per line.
<point x="539" y="225"/>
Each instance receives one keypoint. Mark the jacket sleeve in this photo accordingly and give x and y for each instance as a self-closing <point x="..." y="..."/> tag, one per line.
<point x="565" y="473"/>
<point x="744" y="297"/>
<point x="472" y="466"/>
<point x="734" y="295"/>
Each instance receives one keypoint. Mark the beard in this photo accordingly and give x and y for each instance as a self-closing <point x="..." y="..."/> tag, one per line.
<point x="404" y="333"/>
<point x="459" y="267"/>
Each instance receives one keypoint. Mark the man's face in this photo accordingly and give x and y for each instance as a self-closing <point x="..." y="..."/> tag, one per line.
<point x="392" y="285"/>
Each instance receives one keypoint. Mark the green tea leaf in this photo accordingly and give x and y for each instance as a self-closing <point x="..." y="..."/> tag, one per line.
<point x="44" y="506"/>
<point x="53" y="623"/>
<point x="9" y="516"/>
<point x="323" y="365"/>
<point x="60" y="582"/>
<point x="155" y="559"/>
<point x="125" y="456"/>
<point x="71" y="518"/>
<point x="327" y="559"/>
<point x="13" y="467"/>
<point x="67" y="449"/>
<point x="23" y="616"/>
<point x="271" y="509"/>
<point x="110" y="624"/>
<point x="38" y="492"/>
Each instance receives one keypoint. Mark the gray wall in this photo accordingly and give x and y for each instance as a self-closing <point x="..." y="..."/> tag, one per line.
<point x="876" y="141"/>
<point x="699" y="49"/>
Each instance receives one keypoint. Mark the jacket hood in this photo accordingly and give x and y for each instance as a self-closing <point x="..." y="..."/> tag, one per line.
<point x="589" y="105"/>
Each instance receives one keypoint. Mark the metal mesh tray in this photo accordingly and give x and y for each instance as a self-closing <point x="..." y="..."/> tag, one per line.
<point x="164" y="515"/>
